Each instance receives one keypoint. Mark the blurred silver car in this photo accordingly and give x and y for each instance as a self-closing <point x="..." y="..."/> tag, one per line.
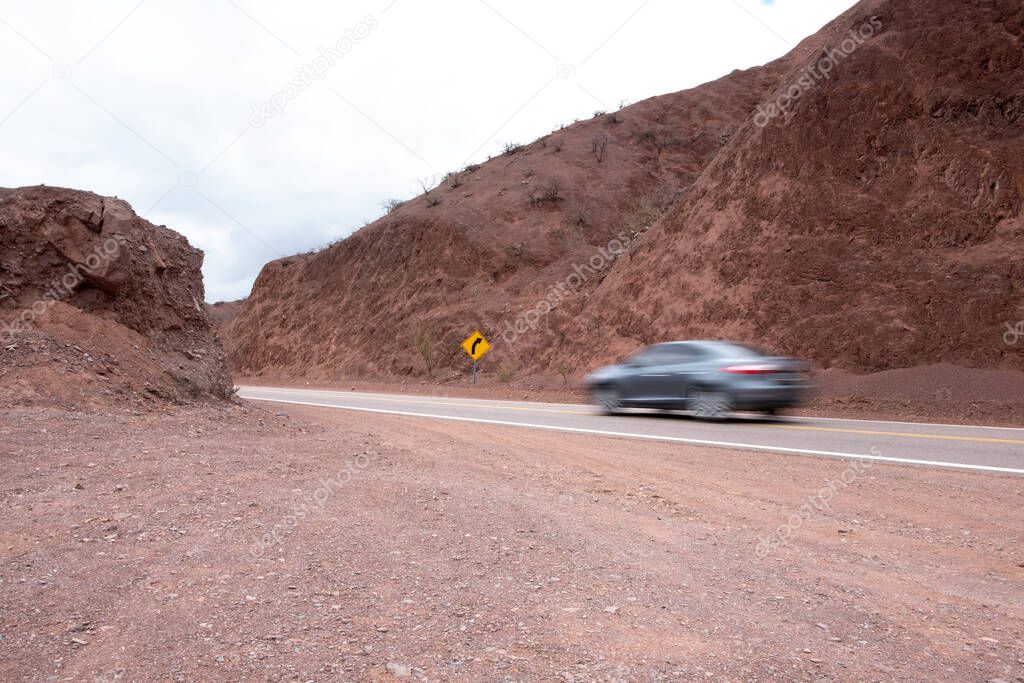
<point x="708" y="378"/>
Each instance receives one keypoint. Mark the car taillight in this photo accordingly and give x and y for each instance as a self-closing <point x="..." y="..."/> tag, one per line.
<point x="753" y="369"/>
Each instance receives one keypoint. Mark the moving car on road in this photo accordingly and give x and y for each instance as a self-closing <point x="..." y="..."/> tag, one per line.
<point x="708" y="378"/>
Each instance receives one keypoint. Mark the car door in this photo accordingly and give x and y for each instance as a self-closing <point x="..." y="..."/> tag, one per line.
<point x="638" y="384"/>
<point x="651" y="375"/>
<point x="680" y="367"/>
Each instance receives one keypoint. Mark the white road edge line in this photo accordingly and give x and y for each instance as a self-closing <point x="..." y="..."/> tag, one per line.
<point x="585" y="406"/>
<point x="654" y="437"/>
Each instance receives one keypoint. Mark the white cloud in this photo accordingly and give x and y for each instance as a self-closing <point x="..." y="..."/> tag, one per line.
<point x="166" y="89"/>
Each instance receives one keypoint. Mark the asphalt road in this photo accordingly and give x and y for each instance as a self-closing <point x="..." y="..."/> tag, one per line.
<point x="979" y="448"/>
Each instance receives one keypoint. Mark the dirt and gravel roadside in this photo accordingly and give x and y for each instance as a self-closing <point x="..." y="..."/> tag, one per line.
<point x="237" y="543"/>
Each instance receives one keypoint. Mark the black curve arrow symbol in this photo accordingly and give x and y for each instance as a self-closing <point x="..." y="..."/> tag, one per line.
<point x="472" y="349"/>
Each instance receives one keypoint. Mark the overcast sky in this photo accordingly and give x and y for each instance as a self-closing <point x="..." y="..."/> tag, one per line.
<point x="260" y="129"/>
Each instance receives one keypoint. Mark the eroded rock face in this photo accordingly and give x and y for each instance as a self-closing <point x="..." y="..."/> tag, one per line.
<point x="82" y="277"/>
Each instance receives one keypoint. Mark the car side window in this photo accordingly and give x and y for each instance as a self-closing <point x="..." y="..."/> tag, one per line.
<point x="675" y="355"/>
<point x="644" y="358"/>
<point x="668" y="354"/>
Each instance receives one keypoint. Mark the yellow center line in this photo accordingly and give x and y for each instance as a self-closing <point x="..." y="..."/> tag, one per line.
<point x="909" y="435"/>
<point x="430" y="400"/>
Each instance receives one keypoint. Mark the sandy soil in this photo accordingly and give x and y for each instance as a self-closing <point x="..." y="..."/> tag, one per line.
<point x="236" y="543"/>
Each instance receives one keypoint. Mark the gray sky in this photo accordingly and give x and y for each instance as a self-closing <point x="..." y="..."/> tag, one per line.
<point x="260" y="129"/>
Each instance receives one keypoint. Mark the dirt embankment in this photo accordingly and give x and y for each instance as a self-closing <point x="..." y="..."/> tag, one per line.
<point x="857" y="202"/>
<point x="97" y="305"/>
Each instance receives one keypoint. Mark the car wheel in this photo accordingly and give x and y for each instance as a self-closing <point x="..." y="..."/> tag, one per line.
<point x="710" y="405"/>
<point x="608" y="399"/>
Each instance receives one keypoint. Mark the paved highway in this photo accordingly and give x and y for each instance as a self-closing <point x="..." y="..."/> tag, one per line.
<point x="979" y="448"/>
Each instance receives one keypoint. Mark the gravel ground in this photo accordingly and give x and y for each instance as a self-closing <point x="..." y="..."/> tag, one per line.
<point x="236" y="543"/>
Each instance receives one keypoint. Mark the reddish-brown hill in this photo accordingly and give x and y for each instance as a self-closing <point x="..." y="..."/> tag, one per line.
<point x="878" y="224"/>
<point x="97" y="304"/>
<point x="223" y="312"/>
<point x="489" y="241"/>
<point x="873" y="224"/>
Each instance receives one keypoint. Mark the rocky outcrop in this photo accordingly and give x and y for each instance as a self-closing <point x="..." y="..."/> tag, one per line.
<point x="97" y="302"/>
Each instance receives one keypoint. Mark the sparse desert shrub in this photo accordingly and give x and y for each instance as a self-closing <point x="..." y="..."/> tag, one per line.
<point x="431" y="199"/>
<point x="665" y="197"/>
<point x="505" y="374"/>
<point x="563" y="369"/>
<point x="557" y="145"/>
<point x="548" y="192"/>
<point x="391" y="205"/>
<point x="646" y="137"/>
<point x="421" y="339"/>
<point x="513" y="148"/>
<point x="577" y="214"/>
<point x="453" y="180"/>
<point x="649" y="209"/>
<point x="599" y="113"/>
<point x="598" y="145"/>
<point x="551" y="189"/>
<point x="612" y="119"/>
<point x="659" y="138"/>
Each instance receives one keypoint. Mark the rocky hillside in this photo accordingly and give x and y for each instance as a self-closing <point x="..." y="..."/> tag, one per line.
<point x="96" y="304"/>
<point x="487" y="243"/>
<point x="876" y="223"/>
<point x="857" y="202"/>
